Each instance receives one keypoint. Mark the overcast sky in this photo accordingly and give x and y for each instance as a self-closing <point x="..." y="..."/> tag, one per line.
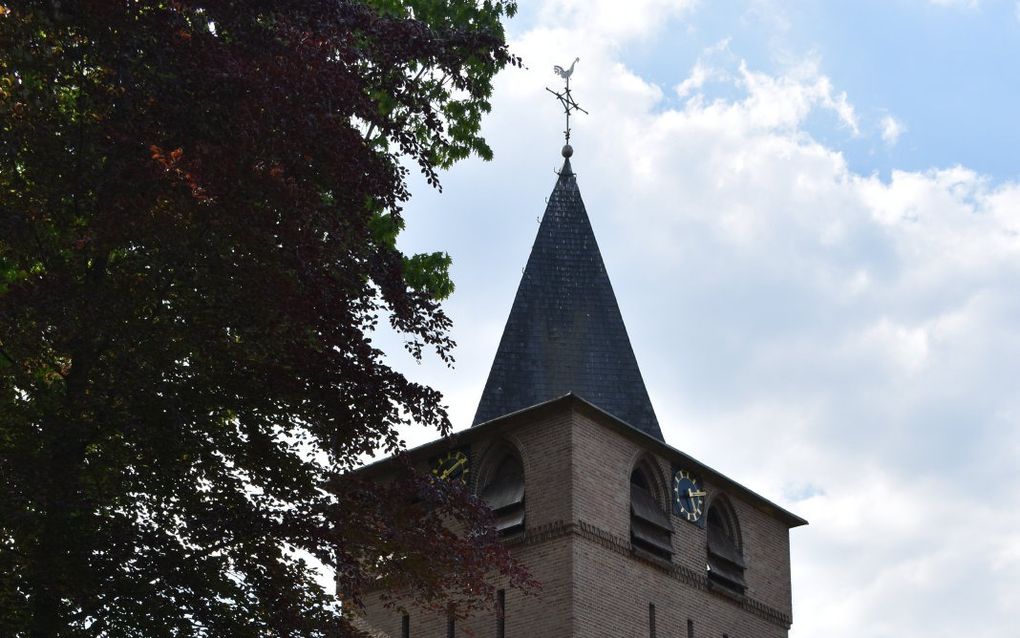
<point x="811" y="218"/>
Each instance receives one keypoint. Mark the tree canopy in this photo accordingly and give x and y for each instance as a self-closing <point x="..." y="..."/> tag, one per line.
<point x="199" y="206"/>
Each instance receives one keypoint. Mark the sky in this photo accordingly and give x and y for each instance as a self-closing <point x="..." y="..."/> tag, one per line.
<point x="810" y="213"/>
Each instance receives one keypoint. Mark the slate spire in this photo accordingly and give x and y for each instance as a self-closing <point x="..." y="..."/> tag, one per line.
<point x="565" y="332"/>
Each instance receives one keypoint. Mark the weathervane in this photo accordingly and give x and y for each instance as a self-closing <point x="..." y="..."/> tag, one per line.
<point x="567" y="100"/>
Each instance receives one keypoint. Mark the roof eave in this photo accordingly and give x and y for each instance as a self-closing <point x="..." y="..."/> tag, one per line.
<point x="481" y="430"/>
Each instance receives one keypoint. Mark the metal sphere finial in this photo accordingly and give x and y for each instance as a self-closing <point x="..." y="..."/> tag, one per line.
<point x="567" y="151"/>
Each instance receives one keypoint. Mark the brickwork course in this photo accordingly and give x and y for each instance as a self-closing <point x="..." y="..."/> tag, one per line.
<point x="566" y="399"/>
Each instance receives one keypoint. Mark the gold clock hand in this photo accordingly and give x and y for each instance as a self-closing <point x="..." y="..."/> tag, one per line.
<point x="692" y="493"/>
<point x="453" y="467"/>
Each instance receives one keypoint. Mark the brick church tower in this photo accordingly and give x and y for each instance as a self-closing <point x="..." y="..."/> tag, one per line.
<point x="630" y="537"/>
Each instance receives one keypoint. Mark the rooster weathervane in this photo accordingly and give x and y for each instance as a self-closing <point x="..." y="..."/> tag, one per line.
<point x="567" y="100"/>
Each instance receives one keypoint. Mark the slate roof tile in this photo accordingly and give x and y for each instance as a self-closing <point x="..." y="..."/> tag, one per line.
<point x="565" y="332"/>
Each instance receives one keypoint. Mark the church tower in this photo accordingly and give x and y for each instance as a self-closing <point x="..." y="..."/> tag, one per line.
<point x="630" y="537"/>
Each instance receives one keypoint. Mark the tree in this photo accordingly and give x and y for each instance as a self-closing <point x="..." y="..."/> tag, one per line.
<point x="199" y="205"/>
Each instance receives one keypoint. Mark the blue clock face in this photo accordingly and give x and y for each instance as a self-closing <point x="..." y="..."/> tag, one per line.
<point x="688" y="496"/>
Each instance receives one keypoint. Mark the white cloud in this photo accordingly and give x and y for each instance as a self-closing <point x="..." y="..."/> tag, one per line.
<point x="785" y="100"/>
<point x="703" y="72"/>
<point x="891" y="130"/>
<point x="699" y="75"/>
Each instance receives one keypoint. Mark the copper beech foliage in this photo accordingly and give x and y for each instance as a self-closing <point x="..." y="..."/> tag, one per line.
<point x="199" y="203"/>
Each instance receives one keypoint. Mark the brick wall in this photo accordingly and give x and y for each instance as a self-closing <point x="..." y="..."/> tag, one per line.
<point x="603" y="460"/>
<point x="577" y="490"/>
<point x="547" y="614"/>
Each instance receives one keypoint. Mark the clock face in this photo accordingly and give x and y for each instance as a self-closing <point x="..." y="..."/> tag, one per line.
<point x="452" y="466"/>
<point x="688" y="496"/>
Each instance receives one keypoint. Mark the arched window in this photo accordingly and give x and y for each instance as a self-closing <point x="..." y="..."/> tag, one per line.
<point x="504" y="494"/>
<point x="725" y="556"/>
<point x="650" y="528"/>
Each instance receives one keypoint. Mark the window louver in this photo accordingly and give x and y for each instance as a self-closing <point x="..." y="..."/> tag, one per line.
<point x="505" y="497"/>
<point x="649" y="526"/>
<point x="725" y="563"/>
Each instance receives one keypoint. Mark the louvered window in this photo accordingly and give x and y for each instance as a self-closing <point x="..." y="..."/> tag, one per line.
<point x="504" y="494"/>
<point x="650" y="529"/>
<point x="725" y="562"/>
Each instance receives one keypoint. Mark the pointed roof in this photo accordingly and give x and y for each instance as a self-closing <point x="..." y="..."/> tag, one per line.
<point x="565" y="333"/>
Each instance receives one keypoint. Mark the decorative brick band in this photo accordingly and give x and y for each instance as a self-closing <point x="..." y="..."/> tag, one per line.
<point x="770" y="614"/>
<point x="681" y="573"/>
<point x="542" y="533"/>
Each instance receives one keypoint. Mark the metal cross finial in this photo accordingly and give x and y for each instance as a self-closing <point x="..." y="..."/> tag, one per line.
<point x="567" y="100"/>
